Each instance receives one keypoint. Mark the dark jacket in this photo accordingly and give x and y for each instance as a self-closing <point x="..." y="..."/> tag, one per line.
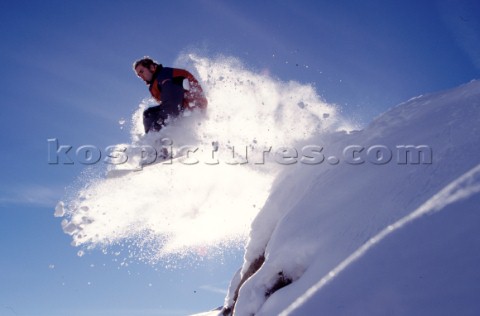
<point x="167" y="88"/>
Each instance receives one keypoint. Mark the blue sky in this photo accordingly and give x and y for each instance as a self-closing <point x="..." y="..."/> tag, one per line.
<point x="66" y="74"/>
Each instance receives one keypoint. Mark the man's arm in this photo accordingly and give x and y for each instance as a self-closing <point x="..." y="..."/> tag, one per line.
<point x="195" y="92"/>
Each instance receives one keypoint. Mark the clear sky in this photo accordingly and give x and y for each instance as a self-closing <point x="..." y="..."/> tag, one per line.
<point x="66" y="74"/>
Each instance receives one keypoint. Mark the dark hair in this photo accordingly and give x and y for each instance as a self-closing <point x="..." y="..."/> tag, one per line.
<point x="145" y="62"/>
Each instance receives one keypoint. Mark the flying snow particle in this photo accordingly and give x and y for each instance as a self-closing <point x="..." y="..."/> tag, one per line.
<point x="59" y="209"/>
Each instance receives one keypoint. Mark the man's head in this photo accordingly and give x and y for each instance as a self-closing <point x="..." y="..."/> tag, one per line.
<point x="145" y="69"/>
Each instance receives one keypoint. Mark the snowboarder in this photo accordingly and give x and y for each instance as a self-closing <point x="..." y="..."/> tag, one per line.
<point x="168" y="86"/>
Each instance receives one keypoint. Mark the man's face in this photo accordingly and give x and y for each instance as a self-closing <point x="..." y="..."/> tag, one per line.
<point x="145" y="73"/>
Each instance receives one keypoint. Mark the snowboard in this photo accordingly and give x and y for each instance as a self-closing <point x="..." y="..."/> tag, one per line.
<point x="135" y="160"/>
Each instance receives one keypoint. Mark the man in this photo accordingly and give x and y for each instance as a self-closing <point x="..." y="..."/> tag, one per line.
<point x="167" y="87"/>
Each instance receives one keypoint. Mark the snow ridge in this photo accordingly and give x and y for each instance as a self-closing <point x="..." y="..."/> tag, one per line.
<point x="317" y="220"/>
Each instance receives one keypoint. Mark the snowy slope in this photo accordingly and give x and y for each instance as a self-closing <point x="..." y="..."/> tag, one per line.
<point x="317" y="225"/>
<point x="427" y="267"/>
